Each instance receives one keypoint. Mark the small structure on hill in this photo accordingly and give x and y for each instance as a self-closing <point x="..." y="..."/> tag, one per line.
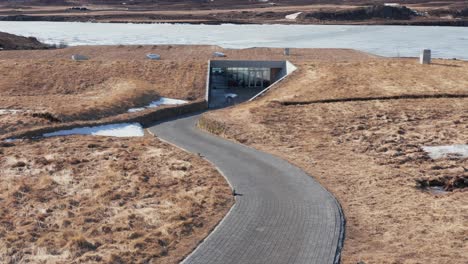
<point x="425" y="56"/>
<point x="218" y="54"/>
<point x="78" y="57"/>
<point x="152" y="56"/>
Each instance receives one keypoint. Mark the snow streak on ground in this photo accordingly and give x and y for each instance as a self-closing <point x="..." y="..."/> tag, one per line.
<point x="112" y="130"/>
<point x="437" y="152"/>
<point x="161" y="101"/>
<point x="9" y="111"/>
<point x="293" y="16"/>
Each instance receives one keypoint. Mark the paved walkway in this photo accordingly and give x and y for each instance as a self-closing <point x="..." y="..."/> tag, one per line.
<point x="282" y="216"/>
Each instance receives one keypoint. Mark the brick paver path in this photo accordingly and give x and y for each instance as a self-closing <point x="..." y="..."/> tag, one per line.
<point x="282" y="215"/>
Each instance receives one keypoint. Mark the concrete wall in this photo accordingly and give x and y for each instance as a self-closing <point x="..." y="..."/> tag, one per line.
<point x="289" y="68"/>
<point x="145" y="118"/>
<point x="208" y="82"/>
<point x="247" y="64"/>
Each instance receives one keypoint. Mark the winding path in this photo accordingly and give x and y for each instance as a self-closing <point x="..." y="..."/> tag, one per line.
<point x="282" y="215"/>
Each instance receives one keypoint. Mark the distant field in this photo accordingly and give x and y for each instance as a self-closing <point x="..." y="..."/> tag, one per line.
<point x="241" y="11"/>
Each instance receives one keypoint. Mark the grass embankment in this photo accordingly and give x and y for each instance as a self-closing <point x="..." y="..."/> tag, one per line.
<point x="63" y="91"/>
<point x="368" y="153"/>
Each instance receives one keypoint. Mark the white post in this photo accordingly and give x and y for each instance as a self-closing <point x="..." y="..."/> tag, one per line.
<point x="425" y="56"/>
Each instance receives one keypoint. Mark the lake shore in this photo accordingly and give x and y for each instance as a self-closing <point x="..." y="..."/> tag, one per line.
<point x="263" y="12"/>
<point x="123" y="20"/>
<point x="389" y="41"/>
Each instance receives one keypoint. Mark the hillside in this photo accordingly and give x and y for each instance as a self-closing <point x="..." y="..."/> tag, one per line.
<point x="89" y="199"/>
<point x="418" y="12"/>
<point x="366" y="147"/>
<point x="13" y="42"/>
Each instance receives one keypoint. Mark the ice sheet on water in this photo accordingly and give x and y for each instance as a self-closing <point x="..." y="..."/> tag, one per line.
<point x="112" y="130"/>
<point x="382" y="40"/>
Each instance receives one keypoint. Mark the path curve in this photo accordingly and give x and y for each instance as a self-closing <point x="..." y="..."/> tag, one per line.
<point x="283" y="216"/>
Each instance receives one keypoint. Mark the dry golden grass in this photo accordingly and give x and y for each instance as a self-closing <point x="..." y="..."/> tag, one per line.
<point x="86" y="200"/>
<point x="116" y="78"/>
<point x="131" y="207"/>
<point x="95" y="199"/>
<point x="185" y="53"/>
<point x="98" y="87"/>
<point x="90" y="90"/>
<point x="373" y="78"/>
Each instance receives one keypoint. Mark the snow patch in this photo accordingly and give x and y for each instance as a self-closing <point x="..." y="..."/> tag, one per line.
<point x="293" y="16"/>
<point x="437" y="152"/>
<point x="9" y="111"/>
<point x="138" y="109"/>
<point x="161" y="101"/>
<point x="112" y="130"/>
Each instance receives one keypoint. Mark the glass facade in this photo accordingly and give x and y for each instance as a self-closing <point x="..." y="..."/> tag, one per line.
<point x="242" y="77"/>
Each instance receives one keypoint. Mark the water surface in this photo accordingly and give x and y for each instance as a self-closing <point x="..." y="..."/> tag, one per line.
<point x="406" y="41"/>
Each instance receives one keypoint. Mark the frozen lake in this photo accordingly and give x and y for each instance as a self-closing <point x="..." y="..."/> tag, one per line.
<point x="445" y="42"/>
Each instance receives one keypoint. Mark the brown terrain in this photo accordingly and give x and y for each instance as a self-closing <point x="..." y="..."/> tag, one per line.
<point x="102" y="86"/>
<point x="422" y="12"/>
<point x="13" y="42"/>
<point x="83" y="199"/>
<point x="114" y="79"/>
<point x="401" y="206"/>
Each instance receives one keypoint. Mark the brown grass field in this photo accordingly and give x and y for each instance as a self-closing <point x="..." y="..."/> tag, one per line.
<point x="373" y="78"/>
<point x="90" y="89"/>
<point x="86" y="199"/>
<point x="95" y="89"/>
<point x="368" y="153"/>
<point x="47" y="83"/>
